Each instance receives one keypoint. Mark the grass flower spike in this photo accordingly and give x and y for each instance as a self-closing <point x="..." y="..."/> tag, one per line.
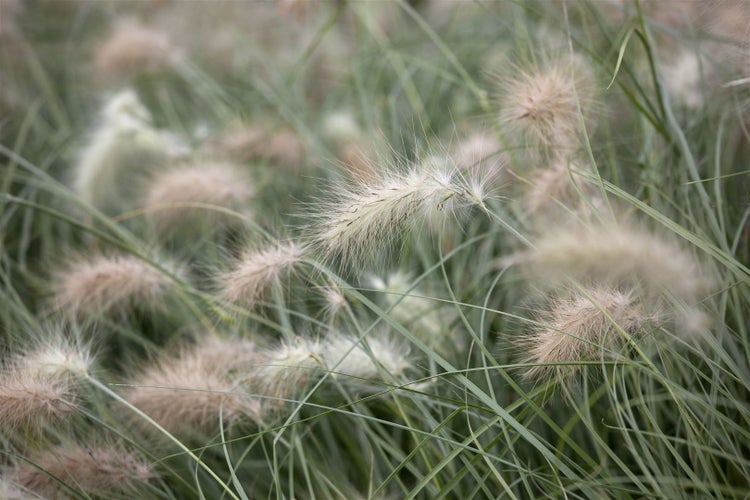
<point x="422" y="316"/>
<point x="539" y="107"/>
<point x="381" y="357"/>
<point x="621" y="254"/>
<point x="251" y="277"/>
<point x="124" y="146"/>
<point x="132" y="49"/>
<point x="39" y="388"/>
<point x="53" y="473"/>
<point x="371" y="215"/>
<point x="189" y="393"/>
<point x="285" y="370"/>
<point x="578" y="328"/>
<point x="261" y="142"/>
<point x="90" y="287"/>
<point x="172" y="195"/>
<point x="480" y="154"/>
<point x="555" y="189"/>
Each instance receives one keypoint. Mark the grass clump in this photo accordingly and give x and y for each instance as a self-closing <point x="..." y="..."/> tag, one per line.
<point x="374" y="250"/>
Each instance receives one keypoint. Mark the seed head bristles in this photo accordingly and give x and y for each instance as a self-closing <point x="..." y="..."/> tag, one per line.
<point x="101" y="472"/>
<point x="354" y="361"/>
<point x="171" y="193"/>
<point x="480" y="154"/>
<point x="258" y="270"/>
<point x="554" y="187"/>
<point x="539" y="107"/>
<point x="57" y="358"/>
<point x="424" y="317"/>
<point x="371" y="215"/>
<point x="287" y="369"/>
<point x="38" y="388"/>
<point x="245" y="142"/>
<point x="187" y="393"/>
<point x="335" y="301"/>
<point x="132" y="49"/>
<point x="34" y="403"/>
<point x="619" y="254"/>
<point x="578" y="327"/>
<point x="89" y="287"/>
<point x="123" y="146"/>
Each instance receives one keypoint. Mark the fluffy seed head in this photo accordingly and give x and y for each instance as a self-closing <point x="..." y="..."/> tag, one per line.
<point x="370" y="216"/>
<point x="37" y="388"/>
<point x="34" y="402"/>
<point x="132" y="49"/>
<point x="618" y="254"/>
<point x="172" y="192"/>
<point x="90" y="471"/>
<point x="250" y="278"/>
<point x="423" y="317"/>
<point x="553" y="187"/>
<point x="59" y="359"/>
<point x="258" y="142"/>
<point x="383" y="357"/>
<point x="285" y="370"/>
<point x="190" y="392"/>
<point x="90" y="287"/>
<point x="577" y="327"/>
<point x="358" y="160"/>
<point x="539" y="107"/>
<point x="334" y="299"/>
<point x="479" y="154"/>
<point x="123" y="146"/>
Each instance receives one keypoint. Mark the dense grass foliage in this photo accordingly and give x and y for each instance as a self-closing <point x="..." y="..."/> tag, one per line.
<point x="346" y="249"/>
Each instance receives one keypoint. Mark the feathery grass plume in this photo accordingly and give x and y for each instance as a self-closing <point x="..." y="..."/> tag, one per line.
<point x="258" y="270"/>
<point x="664" y="273"/>
<point x="578" y="327"/>
<point x="188" y="393"/>
<point x="172" y="194"/>
<point x="132" y="49"/>
<point x="91" y="286"/>
<point x="480" y="154"/>
<point x="334" y="301"/>
<point x="286" y="370"/>
<point x="424" y="317"/>
<point x="539" y="107"/>
<point x="38" y="388"/>
<point x="554" y="186"/>
<point x="123" y="146"/>
<point x="370" y="215"/>
<point x="33" y="403"/>
<point x="99" y="471"/>
<point x="619" y="253"/>
<point x="278" y="146"/>
<point x="382" y="356"/>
